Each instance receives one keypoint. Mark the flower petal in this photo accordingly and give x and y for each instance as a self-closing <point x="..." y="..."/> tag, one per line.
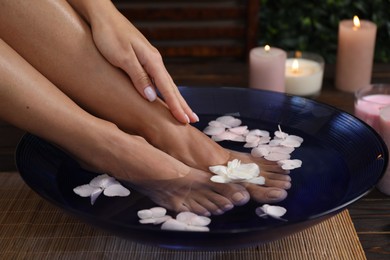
<point x="215" y="123"/>
<point x="95" y="194"/>
<point x="257" y="180"/>
<point x="229" y="121"/>
<point x="274" y="211"/>
<point x="260" y="151"/>
<point x="173" y="224"/>
<point x="103" y="181"/>
<point x="197" y="228"/>
<point x="84" y="190"/>
<point x="277" y="156"/>
<point x="239" y="130"/>
<point x="229" y="136"/>
<point x="290" y="164"/>
<point x="145" y="214"/>
<point x="155" y="221"/>
<point x="212" y="130"/>
<point x="218" y="169"/>
<point x="219" y="179"/>
<point x="282" y="149"/>
<point x="193" y="219"/>
<point x="116" y="190"/>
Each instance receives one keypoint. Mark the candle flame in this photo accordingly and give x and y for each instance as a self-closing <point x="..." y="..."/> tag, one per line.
<point x="295" y="66"/>
<point x="356" y="22"/>
<point x="267" y="48"/>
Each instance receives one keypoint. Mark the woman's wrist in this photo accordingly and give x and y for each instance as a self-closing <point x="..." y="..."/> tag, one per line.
<point x="93" y="10"/>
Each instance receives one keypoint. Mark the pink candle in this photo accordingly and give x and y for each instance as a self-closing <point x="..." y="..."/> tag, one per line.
<point x="384" y="125"/>
<point x="356" y="44"/>
<point x="367" y="108"/>
<point x="266" y="68"/>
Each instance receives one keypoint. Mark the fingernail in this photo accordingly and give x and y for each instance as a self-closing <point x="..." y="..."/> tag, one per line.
<point x="150" y="93"/>
<point x="196" y="117"/>
<point x="187" y="118"/>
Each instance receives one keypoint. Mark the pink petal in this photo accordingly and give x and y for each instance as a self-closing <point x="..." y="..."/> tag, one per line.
<point x="116" y="190"/>
<point x="229" y="136"/>
<point x="239" y="130"/>
<point x="95" y="195"/>
<point x="252" y="139"/>
<point x="260" y="151"/>
<point x="192" y="219"/>
<point x="213" y="130"/>
<point x="251" y="145"/>
<point x="173" y="224"/>
<point x="282" y="149"/>
<point x="277" y="156"/>
<point x="84" y="190"/>
<point x="217" y="124"/>
<point x="229" y="121"/>
<point x="258" y="180"/>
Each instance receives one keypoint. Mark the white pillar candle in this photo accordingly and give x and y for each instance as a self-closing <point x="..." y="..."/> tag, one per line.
<point x="266" y="68"/>
<point x="304" y="74"/>
<point x="355" y="54"/>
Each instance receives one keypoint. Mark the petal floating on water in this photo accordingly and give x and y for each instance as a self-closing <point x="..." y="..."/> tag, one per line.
<point x="173" y="224"/>
<point x="84" y="190"/>
<point x="212" y="130"/>
<point x="229" y="121"/>
<point x="95" y="194"/>
<point x="116" y="190"/>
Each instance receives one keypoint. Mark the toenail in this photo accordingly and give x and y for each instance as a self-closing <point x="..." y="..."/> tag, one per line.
<point x="276" y="194"/>
<point x="228" y="207"/>
<point x="219" y="212"/>
<point x="206" y="214"/>
<point x="239" y="197"/>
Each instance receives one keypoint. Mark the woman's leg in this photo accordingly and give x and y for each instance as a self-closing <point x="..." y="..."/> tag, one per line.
<point x="56" y="41"/>
<point x="31" y="102"/>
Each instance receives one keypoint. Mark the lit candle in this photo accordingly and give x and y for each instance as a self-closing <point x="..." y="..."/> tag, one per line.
<point x="304" y="74"/>
<point x="266" y="68"/>
<point x="355" y="54"/>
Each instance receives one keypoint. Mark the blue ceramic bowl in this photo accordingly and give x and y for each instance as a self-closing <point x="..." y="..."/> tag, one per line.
<point x="343" y="159"/>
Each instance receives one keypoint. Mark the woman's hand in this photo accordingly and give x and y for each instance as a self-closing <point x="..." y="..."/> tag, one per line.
<point x="125" y="47"/>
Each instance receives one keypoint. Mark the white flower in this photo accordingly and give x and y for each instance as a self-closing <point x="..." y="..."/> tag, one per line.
<point x="290" y="164"/>
<point x="187" y="221"/>
<point x="101" y="184"/>
<point x="156" y="215"/>
<point x="273" y="211"/>
<point x="184" y="221"/>
<point x="235" y="171"/>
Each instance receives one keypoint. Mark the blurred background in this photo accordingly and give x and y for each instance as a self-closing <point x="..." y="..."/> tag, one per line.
<point x="313" y="25"/>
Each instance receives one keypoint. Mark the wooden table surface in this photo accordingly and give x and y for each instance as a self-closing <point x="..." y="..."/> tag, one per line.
<point x="371" y="214"/>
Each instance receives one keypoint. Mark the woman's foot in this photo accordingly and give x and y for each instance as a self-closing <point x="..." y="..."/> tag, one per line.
<point x="165" y="180"/>
<point x="192" y="147"/>
<point x="196" y="193"/>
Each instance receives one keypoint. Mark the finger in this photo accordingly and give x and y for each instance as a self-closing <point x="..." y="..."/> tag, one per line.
<point x="154" y="66"/>
<point x="172" y="97"/>
<point x="192" y="115"/>
<point x="138" y="76"/>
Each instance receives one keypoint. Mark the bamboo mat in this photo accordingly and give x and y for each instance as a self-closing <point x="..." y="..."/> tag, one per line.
<point x="32" y="228"/>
